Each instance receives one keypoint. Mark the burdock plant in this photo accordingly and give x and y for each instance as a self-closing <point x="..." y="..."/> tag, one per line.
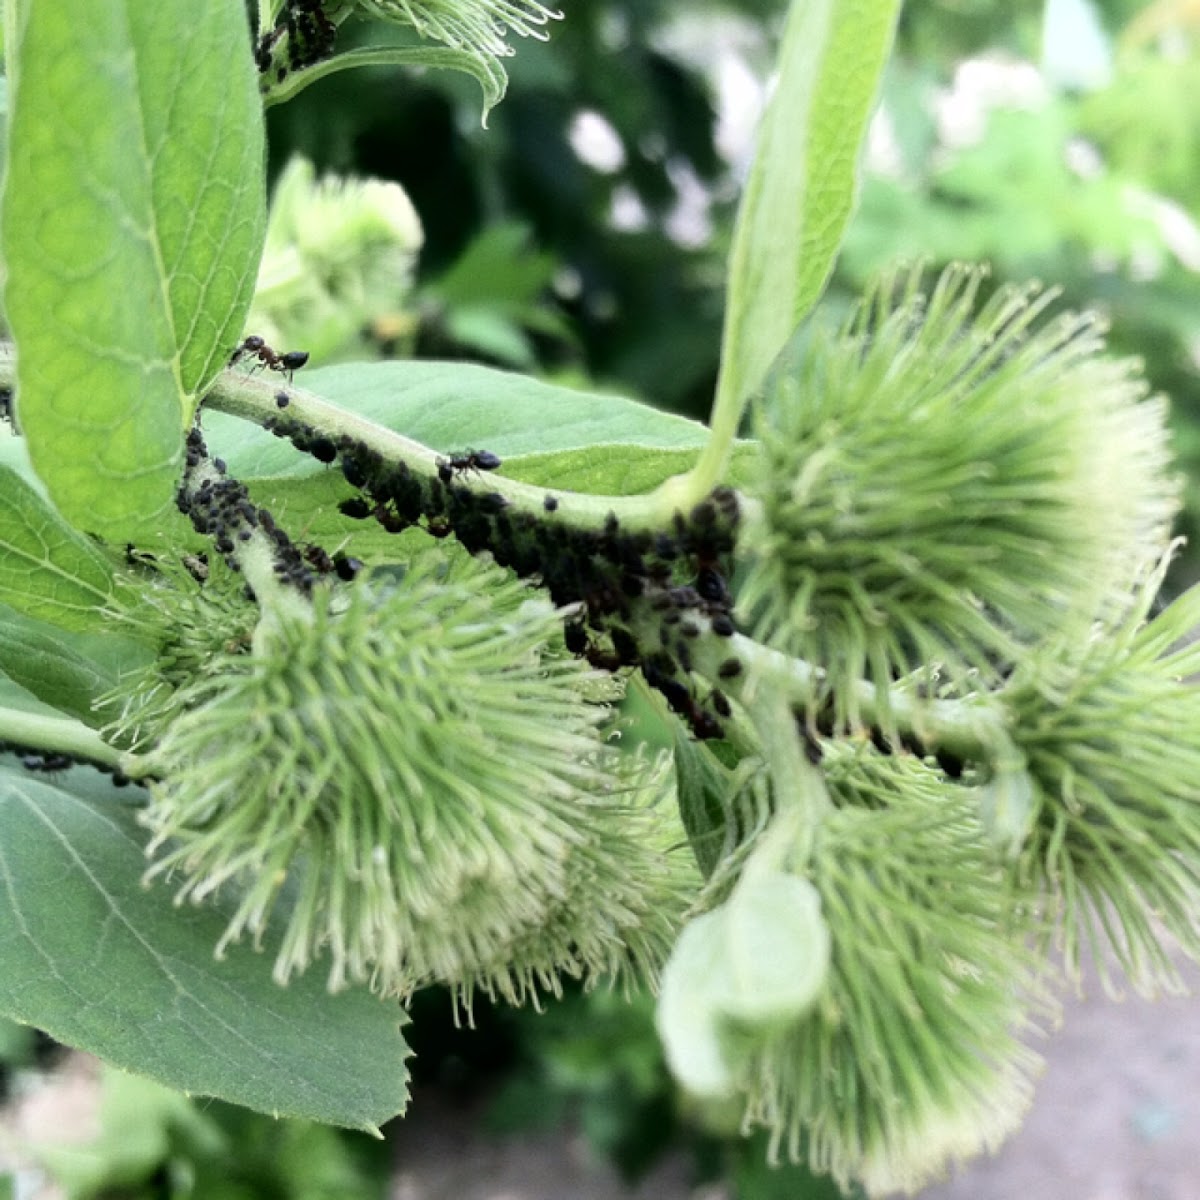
<point x="353" y="649"/>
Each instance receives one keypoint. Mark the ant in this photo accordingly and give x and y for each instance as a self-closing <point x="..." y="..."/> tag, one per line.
<point x="286" y="363"/>
<point x="472" y="460"/>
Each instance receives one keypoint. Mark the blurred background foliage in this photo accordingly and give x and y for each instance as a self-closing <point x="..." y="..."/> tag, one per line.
<point x="583" y="233"/>
<point x="582" y="236"/>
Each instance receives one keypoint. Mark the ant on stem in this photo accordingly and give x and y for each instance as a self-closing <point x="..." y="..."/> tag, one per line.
<point x="255" y="347"/>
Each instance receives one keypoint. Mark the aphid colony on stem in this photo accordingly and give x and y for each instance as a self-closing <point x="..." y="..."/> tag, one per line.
<point x="619" y="580"/>
<point x="641" y="598"/>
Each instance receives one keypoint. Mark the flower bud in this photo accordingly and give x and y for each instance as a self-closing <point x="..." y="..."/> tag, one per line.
<point x="1110" y="729"/>
<point x="941" y="486"/>
<point x="909" y="1056"/>
<point x="410" y="783"/>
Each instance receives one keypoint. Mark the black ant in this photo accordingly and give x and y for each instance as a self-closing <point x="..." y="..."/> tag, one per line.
<point x="472" y="460"/>
<point x="255" y="347"/>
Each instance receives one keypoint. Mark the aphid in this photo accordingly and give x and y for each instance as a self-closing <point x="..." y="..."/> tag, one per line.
<point x="353" y="470"/>
<point x="316" y="557"/>
<point x="722" y="625"/>
<point x="625" y="646"/>
<point x="683" y="655"/>
<point x="282" y="399"/>
<point x="356" y="508"/>
<point x="704" y="725"/>
<point x="602" y="660"/>
<point x="482" y="460"/>
<point x="347" y="568"/>
<point x="685" y="597"/>
<point x="323" y="450"/>
<point x="665" y="547"/>
<point x="392" y="522"/>
<point x="721" y="703"/>
<point x="550" y="503"/>
<point x="256" y="347"/>
<point x="731" y="668"/>
<point x="711" y="586"/>
<point x="677" y="696"/>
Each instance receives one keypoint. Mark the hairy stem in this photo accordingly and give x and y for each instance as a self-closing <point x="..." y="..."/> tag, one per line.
<point x="972" y="729"/>
<point x="253" y="399"/>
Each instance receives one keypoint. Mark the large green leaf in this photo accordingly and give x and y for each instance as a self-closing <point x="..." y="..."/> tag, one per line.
<point x="804" y="181"/>
<point x="69" y="671"/>
<point x="449" y="405"/>
<point x="133" y="219"/>
<point x="47" y="569"/>
<point x="555" y="437"/>
<point x="105" y="964"/>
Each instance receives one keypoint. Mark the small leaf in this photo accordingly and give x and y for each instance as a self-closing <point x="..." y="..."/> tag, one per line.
<point x="133" y="217"/>
<point x="47" y="569"/>
<point x="66" y="670"/>
<point x="687" y="1019"/>
<point x="777" y="950"/>
<point x="804" y="181"/>
<point x="107" y="965"/>
<point x="752" y="966"/>
<point x="20" y="699"/>
<point x="707" y="790"/>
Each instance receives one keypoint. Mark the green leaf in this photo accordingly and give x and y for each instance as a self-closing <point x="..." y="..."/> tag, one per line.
<point x="47" y="569"/>
<point x="687" y="1019"/>
<point x="16" y="1042"/>
<point x="804" y="181"/>
<point x="777" y="950"/>
<point x="552" y="436"/>
<point x="66" y="670"/>
<point x="753" y="966"/>
<point x="133" y="219"/>
<point x="105" y="964"/>
<point x="706" y="789"/>
<point x="20" y="699"/>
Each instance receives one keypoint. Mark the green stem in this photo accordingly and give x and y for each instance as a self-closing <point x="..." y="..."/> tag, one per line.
<point x="253" y="399"/>
<point x="971" y="729"/>
<point x="724" y="420"/>
<point x="801" y="799"/>
<point x="256" y="559"/>
<point x="58" y="735"/>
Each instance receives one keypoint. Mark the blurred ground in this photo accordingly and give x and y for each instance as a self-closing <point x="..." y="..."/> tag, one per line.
<point x="1116" y="1117"/>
